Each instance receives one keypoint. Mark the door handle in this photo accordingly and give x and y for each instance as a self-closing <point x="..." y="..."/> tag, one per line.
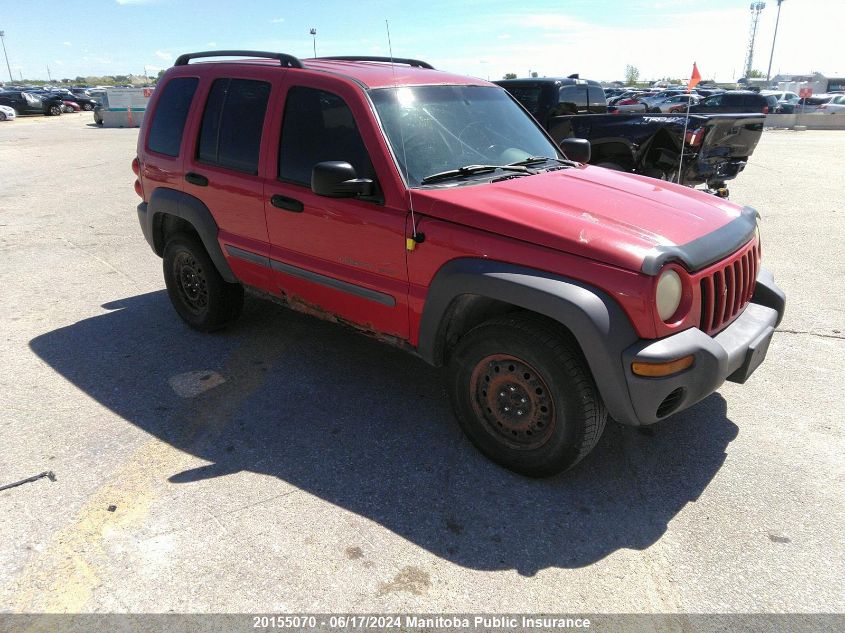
<point x="196" y="179"/>
<point x="288" y="204"/>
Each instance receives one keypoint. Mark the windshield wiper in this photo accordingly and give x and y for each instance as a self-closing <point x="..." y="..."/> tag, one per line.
<point x="468" y="170"/>
<point x="535" y="160"/>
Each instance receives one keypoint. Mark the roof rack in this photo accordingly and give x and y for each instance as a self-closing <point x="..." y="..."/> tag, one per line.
<point x="369" y="58"/>
<point x="286" y="60"/>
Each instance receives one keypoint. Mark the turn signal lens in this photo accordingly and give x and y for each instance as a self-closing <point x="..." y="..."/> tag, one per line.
<point x="658" y="370"/>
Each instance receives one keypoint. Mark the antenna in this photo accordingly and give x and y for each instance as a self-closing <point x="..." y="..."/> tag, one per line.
<point x="416" y="238"/>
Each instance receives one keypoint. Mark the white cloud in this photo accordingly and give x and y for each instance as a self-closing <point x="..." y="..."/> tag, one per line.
<point x="164" y="55"/>
<point x="277" y="20"/>
<point x="67" y="43"/>
<point x="125" y="2"/>
<point x="211" y="44"/>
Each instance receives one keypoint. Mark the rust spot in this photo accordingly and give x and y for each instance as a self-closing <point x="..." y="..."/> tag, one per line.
<point x="354" y="553"/>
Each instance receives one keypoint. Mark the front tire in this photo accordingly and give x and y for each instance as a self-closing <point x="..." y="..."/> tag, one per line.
<point x="522" y="393"/>
<point x="2" y="116"/>
<point x="200" y="296"/>
<point x="87" y="107"/>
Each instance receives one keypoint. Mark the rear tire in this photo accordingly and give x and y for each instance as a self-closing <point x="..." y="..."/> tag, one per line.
<point x="200" y="296"/>
<point x="522" y="393"/>
<point x="2" y="116"/>
<point x="87" y="107"/>
<point x="55" y="110"/>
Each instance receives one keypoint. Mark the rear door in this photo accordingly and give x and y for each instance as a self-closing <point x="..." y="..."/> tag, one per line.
<point x="344" y="257"/>
<point x="223" y="169"/>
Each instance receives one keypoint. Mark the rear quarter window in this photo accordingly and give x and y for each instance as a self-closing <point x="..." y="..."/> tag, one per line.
<point x="170" y="115"/>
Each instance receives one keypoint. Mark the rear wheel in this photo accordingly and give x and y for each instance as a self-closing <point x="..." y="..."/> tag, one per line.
<point x="2" y="116"/>
<point x="55" y="110"/>
<point x="203" y="299"/>
<point x="523" y="395"/>
<point x="87" y="106"/>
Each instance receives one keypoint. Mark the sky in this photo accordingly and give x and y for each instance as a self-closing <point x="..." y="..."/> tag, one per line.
<point x="481" y="38"/>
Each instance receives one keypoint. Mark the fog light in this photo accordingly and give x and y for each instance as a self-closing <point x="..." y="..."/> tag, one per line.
<point x="658" y="370"/>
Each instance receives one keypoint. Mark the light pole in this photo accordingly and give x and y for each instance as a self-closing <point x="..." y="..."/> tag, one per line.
<point x="9" y="68"/>
<point x="774" y="37"/>
<point x="313" y="32"/>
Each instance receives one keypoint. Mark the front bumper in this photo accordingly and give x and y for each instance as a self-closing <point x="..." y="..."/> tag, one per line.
<point x="732" y="355"/>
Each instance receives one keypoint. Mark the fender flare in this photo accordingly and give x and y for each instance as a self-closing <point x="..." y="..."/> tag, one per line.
<point x="596" y="320"/>
<point x="182" y="205"/>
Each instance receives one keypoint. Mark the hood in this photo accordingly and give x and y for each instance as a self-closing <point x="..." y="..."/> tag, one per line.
<point x="614" y="217"/>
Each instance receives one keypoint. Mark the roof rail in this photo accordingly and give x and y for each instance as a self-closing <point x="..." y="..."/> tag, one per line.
<point x="286" y="60"/>
<point x="369" y="58"/>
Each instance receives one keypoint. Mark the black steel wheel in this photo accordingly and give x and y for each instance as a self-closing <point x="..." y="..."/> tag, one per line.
<point x="203" y="299"/>
<point x="523" y="394"/>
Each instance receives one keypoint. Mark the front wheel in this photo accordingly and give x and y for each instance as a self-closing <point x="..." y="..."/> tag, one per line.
<point x="55" y="110"/>
<point x="203" y="299"/>
<point x="522" y="393"/>
<point x="87" y="107"/>
<point x="2" y="116"/>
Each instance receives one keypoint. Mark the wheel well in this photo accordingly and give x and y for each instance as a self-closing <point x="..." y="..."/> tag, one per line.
<point x="165" y="225"/>
<point x="467" y="311"/>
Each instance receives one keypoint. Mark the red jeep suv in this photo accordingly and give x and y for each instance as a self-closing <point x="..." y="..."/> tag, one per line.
<point x="432" y="212"/>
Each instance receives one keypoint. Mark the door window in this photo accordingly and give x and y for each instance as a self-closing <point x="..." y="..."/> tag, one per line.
<point x="318" y="126"/>
<point x="230" y="134"/>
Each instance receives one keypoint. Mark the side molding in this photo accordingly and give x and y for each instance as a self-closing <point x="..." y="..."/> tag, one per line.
<point x="182" y="205"/>
<point x="598" y="323"/>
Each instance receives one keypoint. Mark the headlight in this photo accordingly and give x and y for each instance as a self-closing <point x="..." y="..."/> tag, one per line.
<point x="668" y="295"/>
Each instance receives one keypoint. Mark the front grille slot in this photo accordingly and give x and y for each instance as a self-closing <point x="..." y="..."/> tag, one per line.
<point x="727" y="290"/>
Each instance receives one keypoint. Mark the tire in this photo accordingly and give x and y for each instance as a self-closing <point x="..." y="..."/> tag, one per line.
<point x="55" y="110"/>
<point x="200" y="296"/>
<point x="544" y="413"/>
<point x="87" y="107"/>
<point x="2" y="116"/>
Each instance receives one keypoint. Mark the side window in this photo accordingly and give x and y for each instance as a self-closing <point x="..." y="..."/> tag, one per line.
<point x="598" y="100"/>
<point x="170" y="116"/>
<point x="573" y="98"/>
<point x="319" y="126"/>
<point x="528" y="96"/>
<point x="715" y="100"/>
<point x="230" y="134"/>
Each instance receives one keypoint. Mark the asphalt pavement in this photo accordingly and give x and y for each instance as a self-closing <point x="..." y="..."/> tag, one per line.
<point x="286" y="464"/>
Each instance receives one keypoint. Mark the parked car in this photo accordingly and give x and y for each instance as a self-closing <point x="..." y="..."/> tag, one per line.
<point x="7" y="113"/>
<point x="812" y="105"/>
<point x="734" y="101"/>
<point x="555" y="293"/>
<point x="26" y="103"/>
<point x="652" y="100"/>
<point x="834" y="106"/>
<point x="70" y="106"/>
<point x="714" y="148"/>
<point x="678" y="103"/>
<point x="85" y="103"/>
<point x="629" y="104"/>
<point x="786" y="100"/>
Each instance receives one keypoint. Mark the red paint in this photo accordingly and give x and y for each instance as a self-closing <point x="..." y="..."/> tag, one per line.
<point x="587" y="223"/>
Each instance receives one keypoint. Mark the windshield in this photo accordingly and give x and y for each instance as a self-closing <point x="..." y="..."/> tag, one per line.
<point x="434" y="129"/>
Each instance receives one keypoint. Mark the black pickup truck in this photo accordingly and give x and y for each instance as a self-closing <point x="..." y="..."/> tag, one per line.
<point x="716" y="147"/>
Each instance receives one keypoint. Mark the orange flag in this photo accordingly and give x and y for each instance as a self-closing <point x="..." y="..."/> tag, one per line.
<point x="694" y="79"/>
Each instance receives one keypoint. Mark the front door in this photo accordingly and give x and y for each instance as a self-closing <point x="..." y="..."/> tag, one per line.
<point x="341" y="256"/>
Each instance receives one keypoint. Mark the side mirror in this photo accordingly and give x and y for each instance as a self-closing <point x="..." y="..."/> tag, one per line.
<point x="337" y="179"/>
<point x="577" y="149"/>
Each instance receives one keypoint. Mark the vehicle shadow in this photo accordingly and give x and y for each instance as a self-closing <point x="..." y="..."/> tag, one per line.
<point x="368" y="428"/>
